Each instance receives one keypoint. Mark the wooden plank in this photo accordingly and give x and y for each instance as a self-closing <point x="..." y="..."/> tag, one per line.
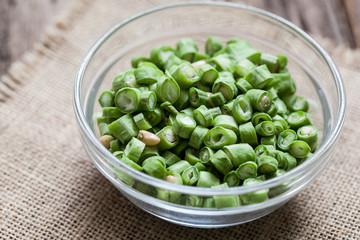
<point x="22" y="23"/>
<point x="327" y="18"/>
<point x="353" y="14"/>
<point x="5" y="56"/>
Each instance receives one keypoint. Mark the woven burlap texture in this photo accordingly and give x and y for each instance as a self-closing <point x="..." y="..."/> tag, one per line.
<point x="50" y="190"/>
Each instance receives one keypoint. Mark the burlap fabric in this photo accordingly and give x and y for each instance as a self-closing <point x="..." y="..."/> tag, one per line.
<point x="50" y="190"/>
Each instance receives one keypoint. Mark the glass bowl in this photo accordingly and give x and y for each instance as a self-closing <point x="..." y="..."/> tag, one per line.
<point x="314" y="72"/>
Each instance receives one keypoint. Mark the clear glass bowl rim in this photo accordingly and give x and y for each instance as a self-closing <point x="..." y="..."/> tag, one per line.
<point x="294" y="173"/>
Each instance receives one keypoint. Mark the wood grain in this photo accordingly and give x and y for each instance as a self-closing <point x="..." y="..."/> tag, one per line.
<point x="353" y="14"/>
<point x="22" y="23"/>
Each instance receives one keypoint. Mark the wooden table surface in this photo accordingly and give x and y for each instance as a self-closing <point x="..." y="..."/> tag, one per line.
<point x="22" y="22"/>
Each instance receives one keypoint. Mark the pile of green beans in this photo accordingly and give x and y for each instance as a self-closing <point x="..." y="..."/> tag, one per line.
<point x="224" y="118"/>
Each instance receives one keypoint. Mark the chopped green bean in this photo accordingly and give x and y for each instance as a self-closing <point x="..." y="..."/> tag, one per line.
<point x="190" y="175"/>
<point x="106" y="99"/>
<point x="299" y="149"/>
<point x="225" y="201"/>
<point x="247" y="170"/>
<point x="254" y="197"/>
<point x="208" y="74"/>
<point x="168" y="138"/>
<point x="308" y="134"/>
<point x="141" y="122"/>
<point x="265" y="129"/>
<point x="248" y="134"/>
<point x="192" y="156"/>
<point x="223" y="62"/>
<point x="205" y="154"/>
<point x="207" y="179"/>
<point x="242" y="110"/>
<point x="155" y="166"/>
<point x="134" y="149"/>
<point x="259" y="77"/>
<point x="232" y="179"/>
<point x="285" y="138"/>
<point x="198" y="97"/>
<point x="124" y="128"/>
<point x="185" y="75"/>
<point x="243" y="67"/>
<point x="217" y="99"/>
<point x="239" y="153"/>
<point x="221" y="162"/>
<point x="298" y="119"/>
<point x="186" y="48"/>
<point x="197" y="137"/>
<point x="218" y="137"/>
<point x="226" y="85"/>
<point x="160" y="55"/>
<point x="226" y="121"/>
<point x="155" y="116"/>
<point x="166" y="89"/>
<point x="260" y="100"/>
<point x="243" y="85"/>
<point x="212" y="45"/>
<point x="267" y="164"/>
<point x="170" y="158"/>
<point x="184" y="125"/>
<point x="179" y="166"/>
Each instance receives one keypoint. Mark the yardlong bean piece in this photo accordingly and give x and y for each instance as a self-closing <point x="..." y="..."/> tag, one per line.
<point x="184" y="125"/>
<point x="247" y="170"/>
<point x="192" y="156"/>
<point x="212" y="45"/>
<point x="308" y="134"/>
<point x="260" y="100"/>
<point x="243" y="85"/>
<point x="197" y="137"/>
<point x="127" y="99"/>
<point x="217" y="99"/>
<point x="221" y="162"/>
<point x="299" y="149"/>
<point x="168" y="138"/>
<point x="166" y="89"/>
<point x="198" y="97"/>
<point x="185" y="75"/>
<point x="226" y="85"/>
<point x="190" y="175"/>
<point x="160" y="55"/>
<point x="242" y="110"/>
<point x="243" y="67"/>
<point x="248" y="134"/>
<point x="208" y="74"/>
<point x="124" y="128"/>
<point x="232" y="179"/>
<point x="147" y="73"/>
<point x="125" y="79"/>
<point x="106" y="99"/>
<point x="239" y="153"/>
<point x="285" y="138"/>
<point x="155" y="116"/>
<point x="298" y="119"/>
<point x="141" y="122"/>
<point x="155" y="166"/>
<point x="218" y="137"/>
<point x="226" y="121"/>
<point x="186" y="49"/>
<point x="134" y="149"/>
<point x="259" y="77"/>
